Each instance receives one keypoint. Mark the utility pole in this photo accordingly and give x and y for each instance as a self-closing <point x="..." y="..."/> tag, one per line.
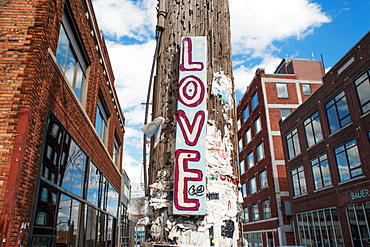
<point x="192" y="173"/>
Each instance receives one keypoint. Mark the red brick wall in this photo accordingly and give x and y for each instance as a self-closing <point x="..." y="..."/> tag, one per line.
<point x="30" y="79"/>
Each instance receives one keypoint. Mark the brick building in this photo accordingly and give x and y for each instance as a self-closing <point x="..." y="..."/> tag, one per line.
<point x="270" y="97"/>
<point x="326" y="144"/>
<point x="61" y="127"/>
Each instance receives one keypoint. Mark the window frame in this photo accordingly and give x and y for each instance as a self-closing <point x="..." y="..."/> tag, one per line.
<point x="116" y="156"/>
<point x="285" y="116"/>
<point x="345" y="149"/>
<point x="332" y="105"/>
<point x="76" y="49"/>
<point x="292" y="142"/>
<point x="263" y="181"/>
<point x="250" y="162"/>
<point x="260" y="151"/>
<point x="247" y="136"/>
<point x="246" y="113"/>
<point x="254" y="101"/>
<point x="104" y="115"/>
<point x="321" y="164"/>
<point x="266" y="209"/>
<point x="257" y="125"/>
<point x="252" y="185"/>
<point x="309" y="124"/>
<point x="304" y="89"/>
<point x="360" y="82"/>
<point x="282" y="90"/>
<point x="298" y="176"/>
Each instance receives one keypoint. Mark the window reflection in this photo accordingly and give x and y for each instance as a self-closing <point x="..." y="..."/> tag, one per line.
<point x="93" y="185"/>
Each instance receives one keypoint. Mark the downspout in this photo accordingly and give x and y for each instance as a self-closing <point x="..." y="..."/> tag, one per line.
<point x="161" y="16"/>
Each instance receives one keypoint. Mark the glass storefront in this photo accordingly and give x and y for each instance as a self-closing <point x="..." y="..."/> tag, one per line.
<point x="320" y="228"/>
<point x="76" y="204"/>
<point x="359" y="221"/>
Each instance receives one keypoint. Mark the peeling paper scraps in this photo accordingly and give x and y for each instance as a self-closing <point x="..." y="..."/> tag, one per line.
<point x="186" y="235"/>
<point x="222" y="87"/>
<point x="161" y="194"/>
<point x="139" y="209"/>
<point x="154" y="127"/>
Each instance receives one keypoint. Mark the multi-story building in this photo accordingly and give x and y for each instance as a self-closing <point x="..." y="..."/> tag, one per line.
<point x="269" y="98"/>
<point x="125" y="234"/>
<point x="61" y="127"/>
<point x="327" y="154"/>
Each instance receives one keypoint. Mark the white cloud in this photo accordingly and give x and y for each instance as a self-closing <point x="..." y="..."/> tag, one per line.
<point x="257" y="24"/>
<point x="125" y="18"/>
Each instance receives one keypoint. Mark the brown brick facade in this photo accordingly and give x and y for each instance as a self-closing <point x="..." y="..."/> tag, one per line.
<point x="31" y="83"/>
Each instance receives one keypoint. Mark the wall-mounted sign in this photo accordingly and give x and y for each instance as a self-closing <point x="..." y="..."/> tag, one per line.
<point x="189" y="194"/>
<point x="353" y="196"/>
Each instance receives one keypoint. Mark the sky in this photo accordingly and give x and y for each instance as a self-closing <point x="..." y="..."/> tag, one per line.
<point x="263" y="32"/>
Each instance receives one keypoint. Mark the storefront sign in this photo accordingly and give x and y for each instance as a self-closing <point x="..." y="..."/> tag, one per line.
<point x="189" y="185"/>
<point x="360" y="194"/>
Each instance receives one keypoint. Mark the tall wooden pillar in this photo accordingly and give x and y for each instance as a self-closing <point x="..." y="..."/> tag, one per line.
<point x="209" y="19"/>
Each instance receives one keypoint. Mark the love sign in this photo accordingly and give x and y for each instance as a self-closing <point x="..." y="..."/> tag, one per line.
<point x="189" y="184"/>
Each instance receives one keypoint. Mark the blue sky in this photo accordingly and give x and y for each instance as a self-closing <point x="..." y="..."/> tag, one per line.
<point x="263" y="32"/>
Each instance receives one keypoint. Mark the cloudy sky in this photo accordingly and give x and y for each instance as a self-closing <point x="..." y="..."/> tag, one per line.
<point x="263" y="32"/>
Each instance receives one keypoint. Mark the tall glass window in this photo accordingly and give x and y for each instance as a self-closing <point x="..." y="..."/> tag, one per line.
<point x="244" y="190"/>
<point x="252" y="185"/>
<point x="116" y="151"/>
<point x="282" y="90"/>
<point x="247" y="136"/>
<point x="263" y="179"/>
<point x="93" y="185"/>
<point x="359" y="220"/>
<point x="250" y="160"/>
<point x="299" y="181"/>
<point x="70" y="56"/>
<point x="257" y="125"/>
<point x="254" y="101"/>
<point x="245" y="113"/>
<point x="242" y="166"/>
<point x="363" y="91"/>
<point x="320" y="172"/>
<point x="337" y="112"/>
<point x="246" y="214"/>
<point x="101" y="121"/>
<point x="312" y="129"/>
<point x="255" y="212"/>
<point x="293" y="144"/>
<point x="260" y="152"/>
<point x="348" y="161"/>
<point x="240" y="145"/>
<point x="320" y="228"/>
<point x="266" y="209"/>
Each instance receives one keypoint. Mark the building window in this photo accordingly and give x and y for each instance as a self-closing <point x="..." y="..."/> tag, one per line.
<point x="252" y="185"/>
<point x="240" y="144"/>
<point x="242" y="166"/>
<point x="250" y="160"/>
<point x="246" y="214"/>
<point x="101" y="121"/>
<point x="257" y="125"/>
<point x="320" y="171"/>
<point x="282" y="90"/>
<point x="348" y="161"/>
<point x="337" y="112"/>
<point x="306" y="89"/>
<point x="359" y="220"/>
<point x="70" y="56"/>
<point x="293" y="144"/>
<point x="244" y="190"/>
<point x="245" y="114"/>
<point x="299" y="181"/>
<point x="320" y="226"/>
<point x="312" y="129"/>
<point x="247" y="136"/>
<point x="363" y="91"/>
<point x="116" y="151"/>
<point x="263" y="179"/>
<point x="285" y="112"/>
<point x="254" y="101"/>
<point x="266" y="209"/>
<point x="239" y="124"/>
<point x="255" y="212"/>
<point x="260" y="152"/>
